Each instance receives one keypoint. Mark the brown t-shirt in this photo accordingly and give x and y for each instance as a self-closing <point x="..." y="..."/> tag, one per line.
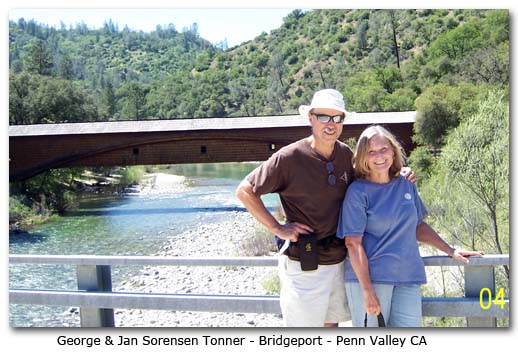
<point x="299" y="175"/>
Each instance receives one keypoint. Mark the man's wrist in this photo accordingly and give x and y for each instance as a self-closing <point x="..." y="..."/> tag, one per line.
<point x="276" y="229"/>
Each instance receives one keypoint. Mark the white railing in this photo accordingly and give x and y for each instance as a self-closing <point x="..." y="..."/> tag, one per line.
<point x="96" y="299"/>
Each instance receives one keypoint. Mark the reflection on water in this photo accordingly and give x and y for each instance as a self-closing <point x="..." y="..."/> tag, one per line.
<point x="232" y="171"/>
<point x="26" y="237"/>
<point x="130" y="225"/>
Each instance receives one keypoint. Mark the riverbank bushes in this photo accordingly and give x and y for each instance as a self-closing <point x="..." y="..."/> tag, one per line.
<point x="34" y="200"/>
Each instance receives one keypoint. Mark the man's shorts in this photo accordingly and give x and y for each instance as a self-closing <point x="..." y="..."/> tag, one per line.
<point x="312" y="298"/>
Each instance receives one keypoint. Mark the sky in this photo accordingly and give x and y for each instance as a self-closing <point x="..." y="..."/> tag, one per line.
<point x="235" y="25"/>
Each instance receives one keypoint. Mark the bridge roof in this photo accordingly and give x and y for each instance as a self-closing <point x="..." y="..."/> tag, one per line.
<point x="198" y="124"/>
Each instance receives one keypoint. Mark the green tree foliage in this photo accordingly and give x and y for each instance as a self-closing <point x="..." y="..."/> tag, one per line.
<point x="456" y="43"/>
<point x="496" y="26"/>
<point x="439" y="110"/>
<point x="477" y="155"/>
<point x="488" y="65"/>
<point x="109" y="101"/>
<point x="276" y="71"/>
<point x="18" y="211"/>
<point x="132" y="98"/>
<point x="35" y="99"/>
<point x="131" y="175"/>
<point x="472" y="175"/>
<point x="401" y="100"/>
<point x="38" y="59"/>
<point x="390" y="77"/>
<point x="66" y="68"/>
<point x="421" y="161"/>
<point x="50" y="190"/>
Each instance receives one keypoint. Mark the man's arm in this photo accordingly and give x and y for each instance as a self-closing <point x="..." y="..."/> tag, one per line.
<point x="256" y="207"/>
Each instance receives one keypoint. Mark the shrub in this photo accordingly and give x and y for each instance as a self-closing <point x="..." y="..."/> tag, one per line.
<point x="17" y="210"/>
<point x="132" y="175"/>
<point x="272" y="284"/>
<point x="260" y="244"/>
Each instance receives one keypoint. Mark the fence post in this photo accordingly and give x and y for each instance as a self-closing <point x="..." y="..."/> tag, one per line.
<point x="95" y="278"/>
<point x="476" y="278"/>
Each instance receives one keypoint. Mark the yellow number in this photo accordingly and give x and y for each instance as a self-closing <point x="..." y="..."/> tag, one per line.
<point x="488" y="305"/>
<point x="500" y="298"/>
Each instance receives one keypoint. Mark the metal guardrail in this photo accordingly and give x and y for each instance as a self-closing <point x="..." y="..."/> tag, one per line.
<point x="97" y="300"/>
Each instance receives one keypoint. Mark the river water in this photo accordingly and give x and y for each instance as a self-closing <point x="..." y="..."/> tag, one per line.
<point x="129" y="225"/>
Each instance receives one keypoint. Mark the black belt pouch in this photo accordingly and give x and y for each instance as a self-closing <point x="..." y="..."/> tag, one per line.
<point x="308" y="251"/>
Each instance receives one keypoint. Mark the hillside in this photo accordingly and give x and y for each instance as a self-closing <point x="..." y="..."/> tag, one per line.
<point x="382" y="60"/>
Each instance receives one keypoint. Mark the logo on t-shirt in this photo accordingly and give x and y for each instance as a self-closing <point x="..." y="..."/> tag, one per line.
<point x="408" y="196"/>
<point x="344" y="177"/>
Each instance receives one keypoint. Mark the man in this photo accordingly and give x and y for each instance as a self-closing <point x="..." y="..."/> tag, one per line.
<point x="311" y="176"/>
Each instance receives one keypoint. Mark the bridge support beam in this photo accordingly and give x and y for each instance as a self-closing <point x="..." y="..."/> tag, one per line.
<point x="95" y="278"/>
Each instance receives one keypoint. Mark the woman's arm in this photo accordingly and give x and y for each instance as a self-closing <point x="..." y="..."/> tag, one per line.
<point x="360" y="265"/>
<point x="426" y="234"/>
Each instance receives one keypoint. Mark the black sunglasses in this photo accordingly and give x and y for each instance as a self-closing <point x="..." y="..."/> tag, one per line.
<point x="331" y="179"/>
<point x="324" y="118"/>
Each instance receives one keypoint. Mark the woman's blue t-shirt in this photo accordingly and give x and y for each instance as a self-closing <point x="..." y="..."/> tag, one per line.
<point x="386" y="216"/>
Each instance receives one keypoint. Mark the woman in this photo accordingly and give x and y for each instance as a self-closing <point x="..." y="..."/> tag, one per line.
<point x="381" y="221"/>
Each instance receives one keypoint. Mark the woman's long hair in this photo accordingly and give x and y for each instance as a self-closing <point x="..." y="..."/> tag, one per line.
<point x="361" y="152"/>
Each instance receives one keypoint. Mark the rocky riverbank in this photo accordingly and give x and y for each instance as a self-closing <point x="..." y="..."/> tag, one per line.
<point x="215" y="239"/>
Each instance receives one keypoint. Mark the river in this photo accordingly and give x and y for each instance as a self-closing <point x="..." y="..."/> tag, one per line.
<point x="139" y="224"/>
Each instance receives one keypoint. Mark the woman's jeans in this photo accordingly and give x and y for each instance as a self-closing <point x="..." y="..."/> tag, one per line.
<point x="400" y="305"/>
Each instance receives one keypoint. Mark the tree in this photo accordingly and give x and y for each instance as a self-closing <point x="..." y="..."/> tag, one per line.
<point x="433" y="119"/>
<point x="487" y="65"/>
<point x="439" y="110"/>
<point x="133" y="98"/>
<point x="19" y="90"/>
<point x="38" y="59"/>
<point x="476" y="157"/>
<point x="276" y="89"/>
<point x="456" y="43"/>
<point x="361" y="35"/>
<point x="390" y="77"/>
<point x="35" y="99"/>
<point x="277" y="66"/>
<point x="319" y="60"/>
<point x="66" y="68"/>
<point x="421" y="161"/>
<point x="109" y="100"/>
<point x="292" y="19"/>
<point x="496" y="26"/>
<point x="364" y="93"/>
<point x="50" y="190"/>
<point x="400" y="100"/>
<point x="275" y="94"/>
<point x="394" y="25"/>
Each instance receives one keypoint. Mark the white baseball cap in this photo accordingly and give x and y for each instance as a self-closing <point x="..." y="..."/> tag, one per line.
<point x="327" y="98"/>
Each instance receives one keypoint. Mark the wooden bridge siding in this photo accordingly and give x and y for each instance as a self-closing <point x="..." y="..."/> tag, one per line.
<point x="30" y="155"/>
<point x="177" y="148"/>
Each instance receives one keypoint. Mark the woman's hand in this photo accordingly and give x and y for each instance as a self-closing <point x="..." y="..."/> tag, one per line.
<point x="462" y="255"/>
<point x="360" y="265"/>
<point x="372" y="304"/>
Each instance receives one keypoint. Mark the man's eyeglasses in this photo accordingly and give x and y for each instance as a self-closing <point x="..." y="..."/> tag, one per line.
<point x="324" y="118"/>
<point x="331" y="179"/>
